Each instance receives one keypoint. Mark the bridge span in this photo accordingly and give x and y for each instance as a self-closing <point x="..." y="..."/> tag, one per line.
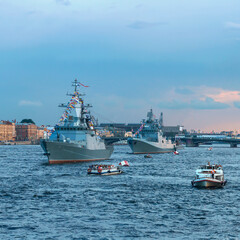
<point x="195" y="141"/>
<point x="191" y="141"/>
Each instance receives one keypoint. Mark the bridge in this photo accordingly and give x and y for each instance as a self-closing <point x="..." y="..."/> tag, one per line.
<point x="195" y="141"/>
<point x="190" y="140"/>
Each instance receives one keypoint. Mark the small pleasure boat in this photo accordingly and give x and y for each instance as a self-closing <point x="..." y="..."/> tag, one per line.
<point x="209" y="176"/>
<point x="176" y="153"/>
<point x="100" y="169"/>
<point x="210" y="149"/>
<point x="147" y="156"/>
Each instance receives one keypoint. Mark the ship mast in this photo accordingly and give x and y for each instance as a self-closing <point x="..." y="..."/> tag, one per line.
<point x="75" y="84"/>
<point x="82" y="114"/>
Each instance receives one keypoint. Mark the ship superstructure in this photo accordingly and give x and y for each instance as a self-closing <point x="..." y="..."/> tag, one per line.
<point x="149" y="138"/>
<point x="74" y="138"/>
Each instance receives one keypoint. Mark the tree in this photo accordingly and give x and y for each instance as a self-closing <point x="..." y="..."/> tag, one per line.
<point x="27" y="121"/>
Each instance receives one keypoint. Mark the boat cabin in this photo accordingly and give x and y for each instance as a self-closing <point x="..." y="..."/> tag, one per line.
<point x="210" y="167"/>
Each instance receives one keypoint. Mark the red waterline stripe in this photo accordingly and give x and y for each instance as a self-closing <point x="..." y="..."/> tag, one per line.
<point x="74" y="161"/>
<point x="197" y="181"/>
<point x="152" y="152"/>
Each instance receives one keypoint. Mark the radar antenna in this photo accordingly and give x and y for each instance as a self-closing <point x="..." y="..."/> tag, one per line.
<point x="161" y="120"/>
<point x="75" y="84"/>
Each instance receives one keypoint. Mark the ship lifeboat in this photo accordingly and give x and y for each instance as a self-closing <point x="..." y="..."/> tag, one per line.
<point x="176" y="153"/>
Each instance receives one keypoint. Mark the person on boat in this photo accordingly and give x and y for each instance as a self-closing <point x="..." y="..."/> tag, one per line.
<point x="213" y="172"/>
<point x="100" y="169"/>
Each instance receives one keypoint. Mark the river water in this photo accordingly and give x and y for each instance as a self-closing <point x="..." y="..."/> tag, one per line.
<point x="153" y="199"/>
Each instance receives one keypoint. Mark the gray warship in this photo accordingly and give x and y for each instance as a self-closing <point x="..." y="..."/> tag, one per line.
<point x="149" y="138"/>
<point x="74" y="138"/>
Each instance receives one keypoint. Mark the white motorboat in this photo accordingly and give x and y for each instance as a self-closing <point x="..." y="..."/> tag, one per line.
<point x="209" y="176"/>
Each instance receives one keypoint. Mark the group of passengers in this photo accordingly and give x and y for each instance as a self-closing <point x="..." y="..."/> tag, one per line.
<point x="97" y="166"/>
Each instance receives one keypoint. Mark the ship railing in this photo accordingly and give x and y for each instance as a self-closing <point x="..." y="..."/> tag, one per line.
<point x="66" y="140"/>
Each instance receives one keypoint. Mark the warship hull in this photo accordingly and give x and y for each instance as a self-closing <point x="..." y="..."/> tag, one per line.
<point x="64" y="152"/>
<point x="142" y="147"/>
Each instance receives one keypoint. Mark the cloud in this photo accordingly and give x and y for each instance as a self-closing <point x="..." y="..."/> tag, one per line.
<point x="205" y="104"/>
<point x="30" y="103"/>
<point x="203" y="92"/>
<point x="208" y="103"/>
<point x="173" y="105"/>
<point x="64" y="2"/>
<point x="221" y="95"/>
<point x="142" y="24"/>
<point x="184" y="91"/>
<point x="232" y="25"/>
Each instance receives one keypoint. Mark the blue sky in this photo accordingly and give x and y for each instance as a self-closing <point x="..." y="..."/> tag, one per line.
<point x="178" y="57"/>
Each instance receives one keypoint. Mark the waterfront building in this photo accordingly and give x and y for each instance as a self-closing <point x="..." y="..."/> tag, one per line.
<point x="26" y="132"/>
<point x="40" y="133"/>
<point x="7" y="131"/>
<point x="128" y="134"/>
<point x="172" y="131"/>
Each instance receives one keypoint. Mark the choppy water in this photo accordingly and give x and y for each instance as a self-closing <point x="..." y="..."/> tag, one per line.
<point x="153" y="199"/>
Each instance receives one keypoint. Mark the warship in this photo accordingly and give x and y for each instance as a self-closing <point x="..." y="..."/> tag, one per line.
<point x="149" y="138"/>
<point x="74" y="138"/>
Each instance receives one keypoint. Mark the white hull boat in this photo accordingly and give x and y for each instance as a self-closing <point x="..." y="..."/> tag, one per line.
<point x="209" y="176"/>
<point x="208" y="183"/>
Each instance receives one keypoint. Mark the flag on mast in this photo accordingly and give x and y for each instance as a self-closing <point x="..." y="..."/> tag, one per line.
<point x="83" y="85"/>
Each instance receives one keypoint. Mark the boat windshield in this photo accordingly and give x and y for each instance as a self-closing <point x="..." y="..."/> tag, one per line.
<point x="210" y="167"/>
<point x="206" y="167"/>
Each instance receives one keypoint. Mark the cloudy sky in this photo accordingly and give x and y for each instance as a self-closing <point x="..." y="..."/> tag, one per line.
<point x="181" y="57"/>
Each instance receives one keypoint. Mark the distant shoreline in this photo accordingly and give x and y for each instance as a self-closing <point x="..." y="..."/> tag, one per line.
<point x="20" y="143"/>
